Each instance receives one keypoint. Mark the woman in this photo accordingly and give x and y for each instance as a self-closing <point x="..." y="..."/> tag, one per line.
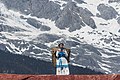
<point x="61" y="61"/>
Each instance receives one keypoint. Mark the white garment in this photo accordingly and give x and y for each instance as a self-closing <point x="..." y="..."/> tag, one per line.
<point x="62" y="65"/>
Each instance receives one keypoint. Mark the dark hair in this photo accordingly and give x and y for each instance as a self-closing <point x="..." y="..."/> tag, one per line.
<point x="60" y="44"/>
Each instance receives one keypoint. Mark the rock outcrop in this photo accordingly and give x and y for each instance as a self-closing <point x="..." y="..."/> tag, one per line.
<point x="107" y="12"/>
<point x="55" y="77"/>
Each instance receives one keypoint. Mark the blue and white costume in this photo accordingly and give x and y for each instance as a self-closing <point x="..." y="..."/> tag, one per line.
<point x="62" y="63"/>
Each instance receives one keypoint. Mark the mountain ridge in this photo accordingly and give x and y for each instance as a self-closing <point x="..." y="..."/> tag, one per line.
<point x="90" y="28"/>
<point x="20" y="64"/>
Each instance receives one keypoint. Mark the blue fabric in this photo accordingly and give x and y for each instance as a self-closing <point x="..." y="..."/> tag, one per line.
<point x="61" y="54"/>
<point x="59" y="66"/>
<point x="60" y="62"/>
<point x="62" y="49"/>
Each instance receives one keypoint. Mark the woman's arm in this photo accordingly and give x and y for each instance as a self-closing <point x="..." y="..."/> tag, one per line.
<point x="66" y="54"/>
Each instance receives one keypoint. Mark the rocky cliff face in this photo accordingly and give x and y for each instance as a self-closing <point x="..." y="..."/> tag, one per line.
<point x="20" y="64"/>
<point x="54" y="77"/>
<point x="91" y="28"/>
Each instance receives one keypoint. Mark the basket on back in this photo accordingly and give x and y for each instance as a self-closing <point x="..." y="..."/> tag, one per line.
<point x="54" y="50"/>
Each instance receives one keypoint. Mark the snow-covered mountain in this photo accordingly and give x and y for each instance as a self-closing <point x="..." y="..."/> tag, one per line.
<point x="91" y="28"/>
<point x="19" y="64"/>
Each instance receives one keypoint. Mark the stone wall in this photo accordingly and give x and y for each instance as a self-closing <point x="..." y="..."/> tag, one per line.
<point x="54" y="77"/>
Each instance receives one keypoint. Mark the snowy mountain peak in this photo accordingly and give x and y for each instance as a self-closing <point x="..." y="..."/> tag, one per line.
<point x="91" y="28"/>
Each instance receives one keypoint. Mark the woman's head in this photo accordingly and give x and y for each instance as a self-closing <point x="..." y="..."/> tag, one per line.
<point x="61" y="45"/>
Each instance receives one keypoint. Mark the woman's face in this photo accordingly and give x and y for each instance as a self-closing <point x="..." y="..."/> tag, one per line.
<point x="61" y="46"/>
